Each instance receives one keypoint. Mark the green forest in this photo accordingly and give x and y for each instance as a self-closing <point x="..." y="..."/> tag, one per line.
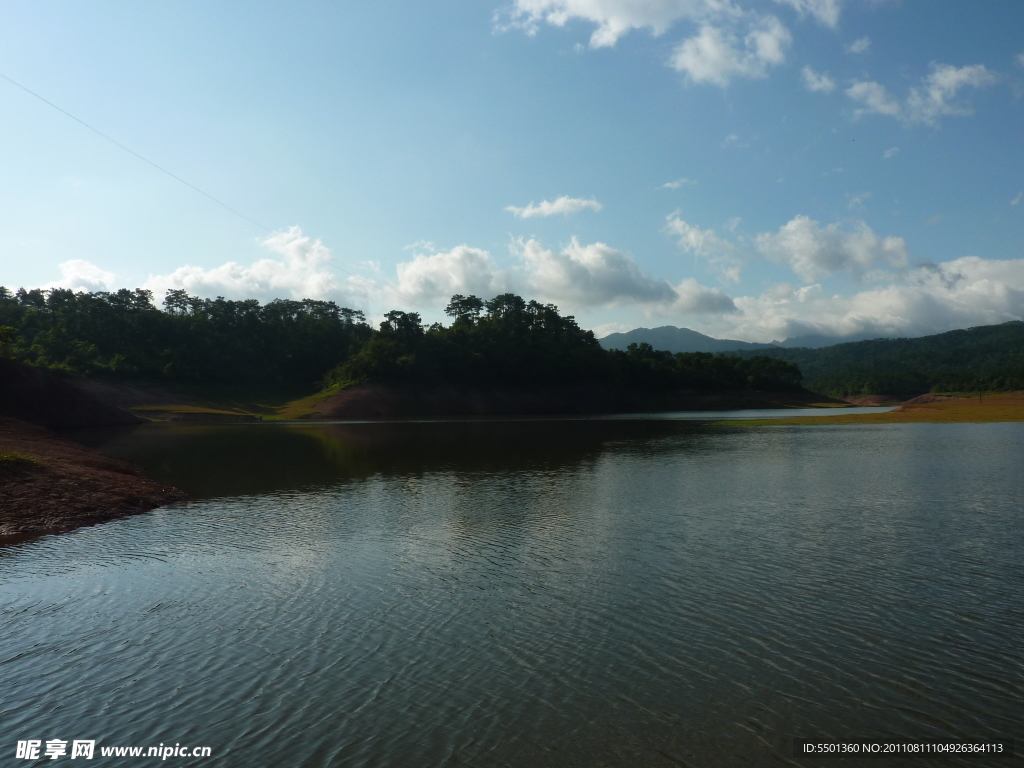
<point x="124" y="334"/>
<point x="501" y="342"/>
<point x="988" y="358"/>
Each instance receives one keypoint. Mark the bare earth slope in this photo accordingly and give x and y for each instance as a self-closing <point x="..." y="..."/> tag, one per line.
<point x="48" y="483"/>
<point x="49" y="400"/>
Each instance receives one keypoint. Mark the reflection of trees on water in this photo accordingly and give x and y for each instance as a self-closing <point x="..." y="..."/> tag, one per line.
<point x="223" y="460"/>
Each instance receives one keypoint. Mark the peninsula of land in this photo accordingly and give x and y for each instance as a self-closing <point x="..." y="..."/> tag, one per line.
<point x="49" y="483"/>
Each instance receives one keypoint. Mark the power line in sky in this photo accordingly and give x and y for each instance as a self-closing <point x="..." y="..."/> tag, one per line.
<point x="174" y="176"/>
<point x="132" y="152"/>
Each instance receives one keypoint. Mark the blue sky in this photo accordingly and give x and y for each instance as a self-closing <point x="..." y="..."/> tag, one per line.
<point x="750" y="169"/>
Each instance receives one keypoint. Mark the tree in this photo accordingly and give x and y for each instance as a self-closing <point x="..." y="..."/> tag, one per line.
<point x="465" y="309"/>
<point x="8" y="336"/>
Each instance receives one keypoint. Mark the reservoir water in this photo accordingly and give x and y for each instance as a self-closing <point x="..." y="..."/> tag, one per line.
<point x="530" y="593"/>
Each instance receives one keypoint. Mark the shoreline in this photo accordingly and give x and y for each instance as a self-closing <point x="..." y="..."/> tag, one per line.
<point x="383" y="402"/>
<point x="925" y="409"/>
<point x="49" y="484"/>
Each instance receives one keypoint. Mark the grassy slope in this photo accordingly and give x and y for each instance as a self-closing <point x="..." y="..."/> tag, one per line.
<point x="246" y="402"/>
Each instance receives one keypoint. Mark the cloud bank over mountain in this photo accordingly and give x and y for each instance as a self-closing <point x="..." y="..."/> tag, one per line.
<point x="897" y="300"/>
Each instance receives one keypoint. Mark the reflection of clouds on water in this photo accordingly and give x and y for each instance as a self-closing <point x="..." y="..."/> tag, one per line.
<point x="433" y="593"/>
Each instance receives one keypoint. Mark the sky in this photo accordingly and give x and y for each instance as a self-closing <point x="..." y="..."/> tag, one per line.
<point x="750" y="169"/>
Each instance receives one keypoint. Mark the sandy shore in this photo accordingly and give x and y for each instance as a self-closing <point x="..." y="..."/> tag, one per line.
<point x="48" y="483"/>
<point x="928" y="409"/>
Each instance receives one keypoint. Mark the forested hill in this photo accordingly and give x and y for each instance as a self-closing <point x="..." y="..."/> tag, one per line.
<point x="124" y="334"/>
<point x="986" y="358"/>
<point x="509" y="342"/>
<point x="502" y="342"/>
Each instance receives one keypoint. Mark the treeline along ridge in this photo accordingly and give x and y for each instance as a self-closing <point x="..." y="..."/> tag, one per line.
<point x="987" y="358"/>
<point x="502" y="342"/>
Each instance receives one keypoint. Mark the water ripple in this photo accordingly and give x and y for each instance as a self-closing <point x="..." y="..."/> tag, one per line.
<point x="623" y="596"/>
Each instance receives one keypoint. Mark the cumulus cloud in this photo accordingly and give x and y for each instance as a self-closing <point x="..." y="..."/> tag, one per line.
<point x="926" y="103"/>
<point x="875" y="98"/>
<point x="614" y="18"/>
<point x="825" y="11"/>
<point x="731" y="42"/>
<point x="564" y="205"/>
<point x="859" y="46"/>
<point x="696" y="299"/>
<point x="932" y="299"/>
<point x="299" y="272"/>
<point x="81" y="275"/>
<point x="589" y="275"/>
<point x="717" y="55"/>
<point x="814" y="252"/>
<point x="578" y="277"/>
<point x="705" y="243"/>
<point x="818" y="82"/>
<point x="438" y="276"/>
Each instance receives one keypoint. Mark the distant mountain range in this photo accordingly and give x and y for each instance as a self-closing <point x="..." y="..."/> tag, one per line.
<point x="674" y="339"/>
<point x="981" y="359"/>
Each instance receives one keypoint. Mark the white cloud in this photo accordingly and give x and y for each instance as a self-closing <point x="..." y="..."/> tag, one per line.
<point x="825" y="11"/>
<point x="421" y="245"/>
<point x="298" y="274"/>
<point x="819" y="82"/>
<point x="859" y="46"/>
<point x="564" y="205"/>
<point x="891" y="152"/>
<point x="438" y="276"/>
<point x="589" y="275"/>
<point x="614" y="18"/>
<point x="875" y="98"/>
<point x="81" y="275"/>
<point x="578" y="277"/>
<point x="608" y="328"/>
<point x="1012" y="202"/>
<point x="928" y="299"/>
<point x="677" y="183"/>
<point x="856" y="202"/>
<point x="1019" y="58"/>
<point x="705" y="243"/>
<point x="814" y="252"/>
<point x="929" y="101"/>
<point x="717" y="55"/>
<point x="933" y="99"/>
<point x="956" y="294"/>
<point x="697" y="299"/>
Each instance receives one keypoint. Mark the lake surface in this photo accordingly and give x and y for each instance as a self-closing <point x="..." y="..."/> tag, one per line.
<point x="530" y="593"/>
